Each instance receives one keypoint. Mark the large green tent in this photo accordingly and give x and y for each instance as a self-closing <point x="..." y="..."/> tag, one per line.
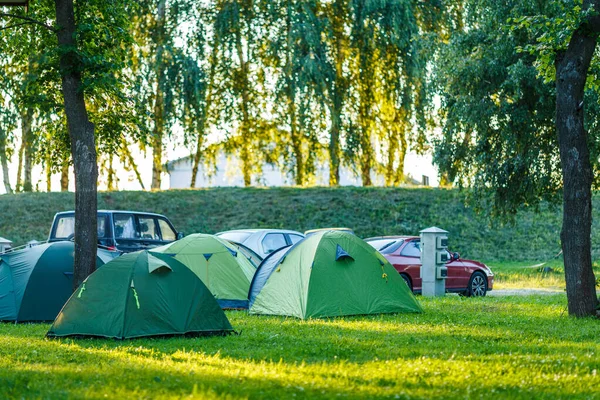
<point x="329" y="274"/>
<point x="36" y="282"/>
<point x="224" y="270"/>
<point x="141" y="294"/>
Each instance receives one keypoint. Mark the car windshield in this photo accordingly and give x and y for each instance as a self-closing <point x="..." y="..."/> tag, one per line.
<point x="254" y="258"/>
<point x="65" y="227"/>
<point x="386" y="246"/>
<point x="142" y="227"/>
<point x="235" y="236"/>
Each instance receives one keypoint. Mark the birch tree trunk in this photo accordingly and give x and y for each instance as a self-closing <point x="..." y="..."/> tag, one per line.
<point x="4" y="163"/>
<point x="159" y="102"/>
<point x="26" y="122"/>
<point x="64" y="177"/>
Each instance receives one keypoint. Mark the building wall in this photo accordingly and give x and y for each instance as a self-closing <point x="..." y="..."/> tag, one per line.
<point x="228" y="173"/>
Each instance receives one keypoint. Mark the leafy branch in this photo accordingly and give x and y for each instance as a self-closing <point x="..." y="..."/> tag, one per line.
<point x="29" y="21"/>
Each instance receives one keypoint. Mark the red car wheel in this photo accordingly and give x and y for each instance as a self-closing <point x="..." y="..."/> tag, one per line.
<point x="477" y="285"/>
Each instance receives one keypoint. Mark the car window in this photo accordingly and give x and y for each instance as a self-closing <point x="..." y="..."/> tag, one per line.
<point x="379" y="243"/>
<point x="386" y="246"/>
<point x="124" y="225"/>
<point x="295" y="238"/>
<point x="412" y="249"/>
<point x="65" y="227"/>
<point x="166" y="230"/>
<point x="102" y="228"/>
<point x="273" y="241"/>
<point x="235" y="236"/>
<point x="148" y="228"/>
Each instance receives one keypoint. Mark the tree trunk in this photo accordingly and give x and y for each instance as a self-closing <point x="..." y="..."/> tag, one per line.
<point x="291" y="98"/>
<point x="202" y="124"/>
<point x="401" y="157"/>
<point x="111" y="179"/>
<point x="48" y="173"/>
<point x="339" y="91"/>
<point x="296" y="148"/>
<point x="400" y="124"/>
<point x="365" y="169"/>
<point x="159" y="102"/>
<point x="83" y="147"/>
<point x="131" y="161"/>
<point x="245" y="125"/>
<point x="196" y="161"/>
<point x="571" y="73"/>
<point x="390" y="171"/>
<point x="366" y="151"/>
<point x="64" y="177"/>
<point x="4" y="163"/>
<point x="19" y="184"/>
<point x="334" y="149"/>
<point x="26" y="122"/>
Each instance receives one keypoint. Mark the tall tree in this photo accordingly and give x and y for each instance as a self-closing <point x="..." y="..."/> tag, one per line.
<point x="572" y="66"/>
<point x="337" y="38"/>
<point x="83" y="146"/>
<point x="200" y="112"/>
<point x="85" y="62"/>
<point x="23" y="66"/>
<point x="389" y="72"/>
<point x="297" y="55"/>
<point x="7" y="119"/>
<point x="505" y="126"/>
<point x="165" y="91"/>
<point x="4" y="152"/>
<point x="241" y="82"/>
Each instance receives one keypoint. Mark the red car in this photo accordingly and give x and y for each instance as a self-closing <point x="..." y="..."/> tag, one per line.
<point x="467" y="277"/>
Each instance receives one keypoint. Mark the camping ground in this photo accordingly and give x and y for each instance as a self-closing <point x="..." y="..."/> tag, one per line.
<point x="506" y="347"/>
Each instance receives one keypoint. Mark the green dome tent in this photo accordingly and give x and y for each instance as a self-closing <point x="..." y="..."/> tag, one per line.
<point x="224" y="270"/>
<point x="36" y="282"/>
<point x="329" y="274"/>
<point x="141" y="294"/>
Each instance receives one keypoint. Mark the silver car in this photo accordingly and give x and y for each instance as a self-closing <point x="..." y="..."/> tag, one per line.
<point x="262" y="241"/>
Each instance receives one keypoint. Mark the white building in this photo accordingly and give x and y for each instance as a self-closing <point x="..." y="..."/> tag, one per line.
<point x="227" y="172"/>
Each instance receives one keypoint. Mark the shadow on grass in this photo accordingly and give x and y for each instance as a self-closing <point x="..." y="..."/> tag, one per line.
<point x="457" y="348"/>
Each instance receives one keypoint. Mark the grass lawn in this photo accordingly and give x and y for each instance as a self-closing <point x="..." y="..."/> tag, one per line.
<point x="527" y="274"/>
<point x="509" y="347"/>
<point x="369" y="211"/>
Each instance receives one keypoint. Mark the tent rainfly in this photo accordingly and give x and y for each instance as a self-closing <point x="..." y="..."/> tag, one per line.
<point x="36" y="282"/>
<point x="329" y="274"/>
<point x="224" y="270"/>
<point x="141" y="294"/>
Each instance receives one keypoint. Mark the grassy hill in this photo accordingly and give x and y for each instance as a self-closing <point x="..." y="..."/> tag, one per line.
<point x="369" y="211"/>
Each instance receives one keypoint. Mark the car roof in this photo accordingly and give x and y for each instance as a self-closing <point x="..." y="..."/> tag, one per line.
<point x="260" y="230"/>
<point x="115" y="211"/>
<point x="391" y="237"/>
<point x="328" y="229"/>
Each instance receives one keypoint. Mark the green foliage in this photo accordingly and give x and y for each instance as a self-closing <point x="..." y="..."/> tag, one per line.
<point x="32" y="80"/>
<point x="511" y="347"/>
<point x="370" y="212"/>
<point x="497" y="114"/>
<point x="495" y="78"/>
<point x="552" y="32"/>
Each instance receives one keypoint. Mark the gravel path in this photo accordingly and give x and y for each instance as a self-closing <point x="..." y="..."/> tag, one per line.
<point x="523" y="292"/>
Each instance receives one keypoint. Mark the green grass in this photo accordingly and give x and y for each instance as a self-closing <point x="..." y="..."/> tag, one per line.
<point x="369" y="211"/>
<point x="511" y="347"/>
<point x="526" y="274"/>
